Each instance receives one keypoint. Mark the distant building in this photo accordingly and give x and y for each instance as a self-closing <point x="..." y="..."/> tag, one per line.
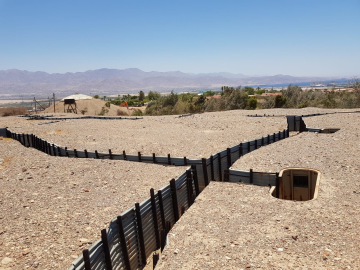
<point x="271" y="94"/>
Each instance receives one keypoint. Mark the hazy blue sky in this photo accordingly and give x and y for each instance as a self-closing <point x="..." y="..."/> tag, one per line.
<point x="294" y="37"/>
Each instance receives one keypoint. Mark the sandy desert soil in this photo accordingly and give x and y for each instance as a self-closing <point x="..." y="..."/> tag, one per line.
<point x="237" y="226"/>
<point x="51" y="208"/>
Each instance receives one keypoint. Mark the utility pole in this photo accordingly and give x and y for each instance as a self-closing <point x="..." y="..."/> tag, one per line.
<point x="54" y="101"/>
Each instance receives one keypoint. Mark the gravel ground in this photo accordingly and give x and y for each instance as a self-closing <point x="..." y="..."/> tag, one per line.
<point x="194" y="136"/>
<point x="51" y="208"/>
<point x="236" y="226"/>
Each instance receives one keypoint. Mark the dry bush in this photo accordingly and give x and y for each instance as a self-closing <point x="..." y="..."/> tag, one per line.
<point x="121" y="113"/>
<point x="9" y="111"/>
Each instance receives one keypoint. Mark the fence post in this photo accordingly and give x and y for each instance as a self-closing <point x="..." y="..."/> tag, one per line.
<point x="228" y="157"/>
<point x="111" y="155"/>
<point x="155" y="259"/>
<point x="67" y="153"/>
<point x="219" y="165"/>
<point x="139" y="156"/>
<point x="196" y="182"/>
<point x="140" y="234"/>
<point x="268" y="139"/>
<point x="124" y="154"/>
<point x="212" y="168"/>
<point x="86" y="257"/>
<point x="274" y="137"/>
<point x="248" y="145"/>
<point x="185" y="161"/>
<point x="54" y="149"/>
<point x="169" y="159"/>
<point x="75" y="153"/>
<point x="123" y="243"/>
<point x="277" y="190"/>
<point x="59" y="151"/>
<point x="154" y="158"/>
<point x="240" y="150"/>
<point x="256" y="144"/>
<point x="174" y="199"/>
<point x="206" y="179"/>
<point x="251" y="176"/>
<point x="28" y="140"/>
<point x="262" y="141"/>
<point x="86" y="153"/>
<point x="105" y="243"/>
<point x="163" y="239"/>
<point x="154" y="212"/>
<point x="226" y="175"/>
<point x="189" y="188"/>
<point x="162" y="213"/>
<point x="97" y="154"/>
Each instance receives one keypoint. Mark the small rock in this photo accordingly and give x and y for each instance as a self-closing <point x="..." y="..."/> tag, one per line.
<point x="36" y="264"/>
<point x="6" y="260"/>
<point x="248" y="266"/>
<point x="176" y="251"/>
<point x="228" y="258"/>
<point x="337" y="259"/>
<point x="286" y="227"/>
<point x="74" y="256"/>
<point x="86" y="190"/>
<point x="280" y="249"/>
<point x="295" y="237"/>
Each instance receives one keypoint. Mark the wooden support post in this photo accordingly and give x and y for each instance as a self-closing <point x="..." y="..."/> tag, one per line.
<point x="139" y="156"/>
<point x="163" y="239"/>
<point x="155" y="219"/>
<point x="162" y="213"/>
<point x="196" y="182"/>
<point x="212" y="168"/>
<point x="124" y="154"/>
<point x="251" y="176"/>
<point x="248" y="146"/>
<point x="155" y="259"/>
<point x="262" y="141"/>
<point x="106" y="248"/>
<point x="54" y="149"/>
<point x="66" y="152"/>
<point x="274" y="137"/>
<point x="110" y="154"/>
<point x="268" y="139"/>
<point x="240" y="150"/>
<point x="182" y="210"/>
<point x="96" y="154"/>
<point x="204" y="167"/>
<point x="86" y="256"/>
<point x="185" y="161"/>
<point x="219" y="165"/>
<point x="75" y="153"/>
<point x="277" y="187"/>
<point x="228" y="157"/>
<point x="226" y="175"/>
<point x="140" y="234"/>
<point x="174" y="199"/>
<point x="86" y="153"/>
<point x="256" y="144"/>
<point x="28" y="140"/>
<point x="169" y="159"/>
<point x="189" y="187"/>
<point x="59" y="151"/>
<point x="167" y="227"/>
<point x="124" y="248"/>
<point x="154" y="158"/>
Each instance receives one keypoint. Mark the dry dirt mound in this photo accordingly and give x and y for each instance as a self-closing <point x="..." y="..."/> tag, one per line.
<point x="93" y="107"/>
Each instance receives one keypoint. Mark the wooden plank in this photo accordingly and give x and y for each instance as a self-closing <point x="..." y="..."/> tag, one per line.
<point x="110" y="154"/>
<point x="75" y="153"/>
<point x="139" y="156"/>
<point x="228" y="157"/>
<point x="212" y="168"/>
<point x="251" y="176"/>
<point x="124" y="154"/>
<point x="86" y="153"/>
<point x="189" y="187"/>
<point x="169" y="159"/>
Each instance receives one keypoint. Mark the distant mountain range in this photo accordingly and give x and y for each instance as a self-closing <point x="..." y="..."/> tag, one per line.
<point x="132" y="80"/>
